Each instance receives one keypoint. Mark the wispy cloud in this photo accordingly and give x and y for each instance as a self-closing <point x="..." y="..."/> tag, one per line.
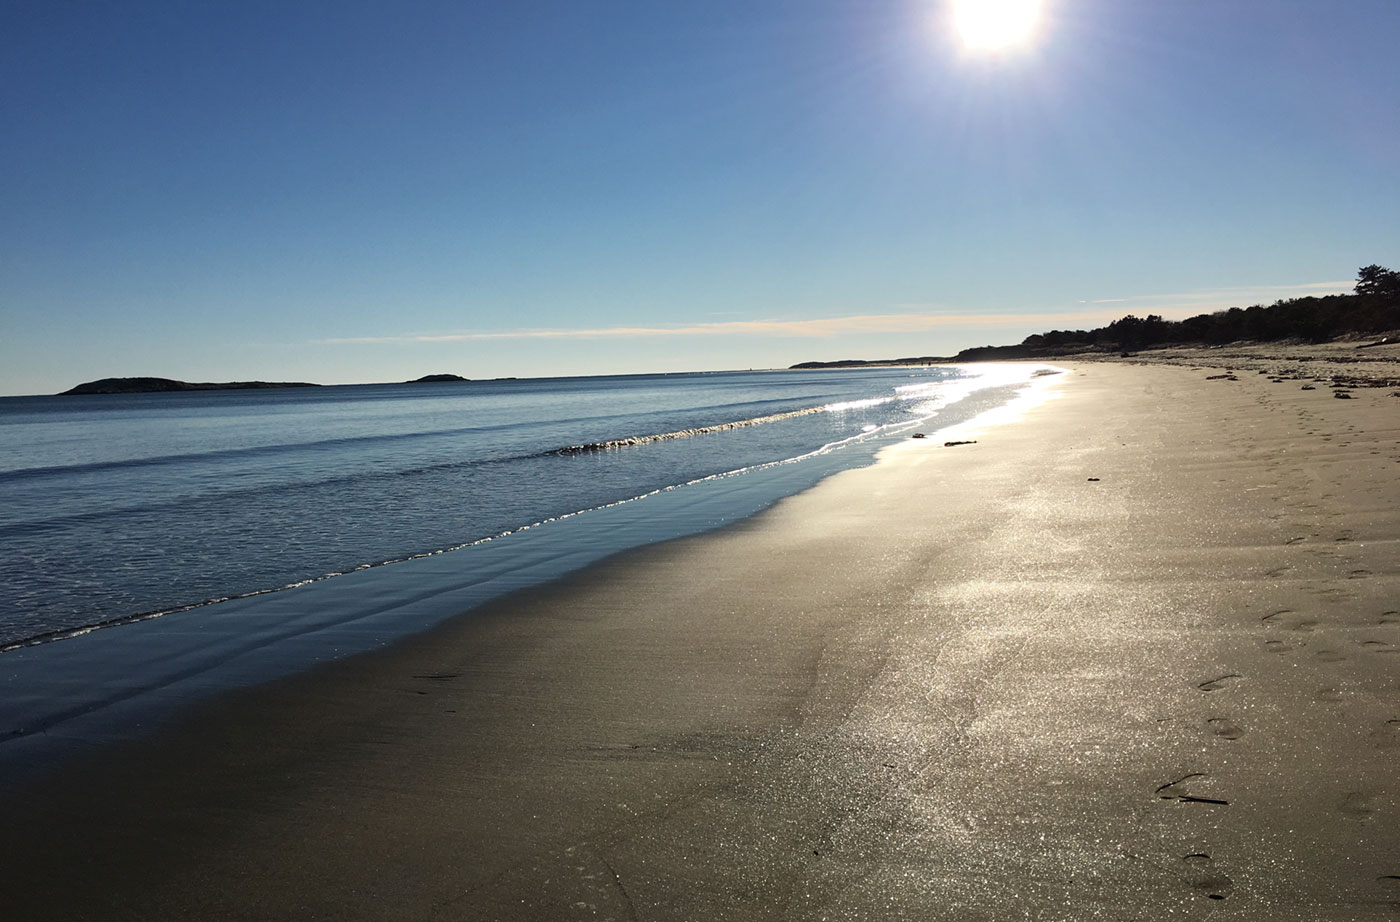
<point x="1238" y="296"/>
<point x="1174" y="306"/>
<point x="817" y="328"/>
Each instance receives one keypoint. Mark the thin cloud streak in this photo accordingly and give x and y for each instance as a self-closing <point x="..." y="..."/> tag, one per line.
<point x="830" y="326"/>
<point x="1238" y="296"/>
<point x="1173" y="306"/>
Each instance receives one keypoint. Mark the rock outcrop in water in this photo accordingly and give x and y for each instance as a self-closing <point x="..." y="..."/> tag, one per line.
<point x="163" y="385"/>
<point x="437" y="379"/>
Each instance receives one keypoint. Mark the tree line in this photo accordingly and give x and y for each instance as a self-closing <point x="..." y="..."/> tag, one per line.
<point x="1372" y="307"/>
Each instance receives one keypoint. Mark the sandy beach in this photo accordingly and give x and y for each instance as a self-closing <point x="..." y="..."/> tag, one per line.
<point x="1135" y="656"/>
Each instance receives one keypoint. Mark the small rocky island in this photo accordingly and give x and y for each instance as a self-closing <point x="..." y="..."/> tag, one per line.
<point x="167" y="385"/>
<point x="164" y="385"/>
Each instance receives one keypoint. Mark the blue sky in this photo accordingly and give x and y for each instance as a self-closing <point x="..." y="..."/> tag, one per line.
<point x="355" y="191"/>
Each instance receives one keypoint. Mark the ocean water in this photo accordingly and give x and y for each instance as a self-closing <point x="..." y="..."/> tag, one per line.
<point x="118" y="506"/>
<point x="158" y="549"/>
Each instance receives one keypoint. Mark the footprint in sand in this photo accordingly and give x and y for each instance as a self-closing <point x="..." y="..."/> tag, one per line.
<point x="1218" y="682"/>
<point x="1390" y="617"/>
<point x="1358" y="574"/>
<point x="1330" y="695"/>
<point x="1358" y="804"/>
<point x="1387" y="736"/>
<point x="1281" y="618"/>
<point x="1277" y="571"/>
<point x="1201" y="873"/>
<point x="1377" y="646"/>
<point x="1278" y="646"/>
<point x="1330" y="656"/>
<point x="1225" y="728"/>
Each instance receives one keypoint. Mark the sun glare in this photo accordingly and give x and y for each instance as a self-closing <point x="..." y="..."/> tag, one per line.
<point x="996" y="25"/>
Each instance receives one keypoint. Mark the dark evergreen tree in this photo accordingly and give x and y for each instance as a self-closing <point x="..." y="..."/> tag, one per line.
<point x="1377" y="280"/>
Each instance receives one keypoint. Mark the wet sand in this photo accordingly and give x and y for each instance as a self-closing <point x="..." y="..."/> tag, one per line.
<point x="1134" y="657"/>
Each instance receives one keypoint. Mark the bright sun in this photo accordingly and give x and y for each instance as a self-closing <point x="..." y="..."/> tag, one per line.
<point x="996" y="25"/>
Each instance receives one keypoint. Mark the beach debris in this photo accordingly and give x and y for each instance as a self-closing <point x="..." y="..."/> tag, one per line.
<point x="1218" y="683"/>
<point x="1093" y="480"/>
<point x="1225" y="377"/>
<point x="1170" y="791"/>
<point x="955" y="444"/>
<point x="1341" y="395"/>
<point x="920" y="435"/>
<point x="1309" y="387"/>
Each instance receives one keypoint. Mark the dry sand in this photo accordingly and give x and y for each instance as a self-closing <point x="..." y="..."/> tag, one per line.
<point x="1134" y="657"/>
<point x="1357" y="362"/>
